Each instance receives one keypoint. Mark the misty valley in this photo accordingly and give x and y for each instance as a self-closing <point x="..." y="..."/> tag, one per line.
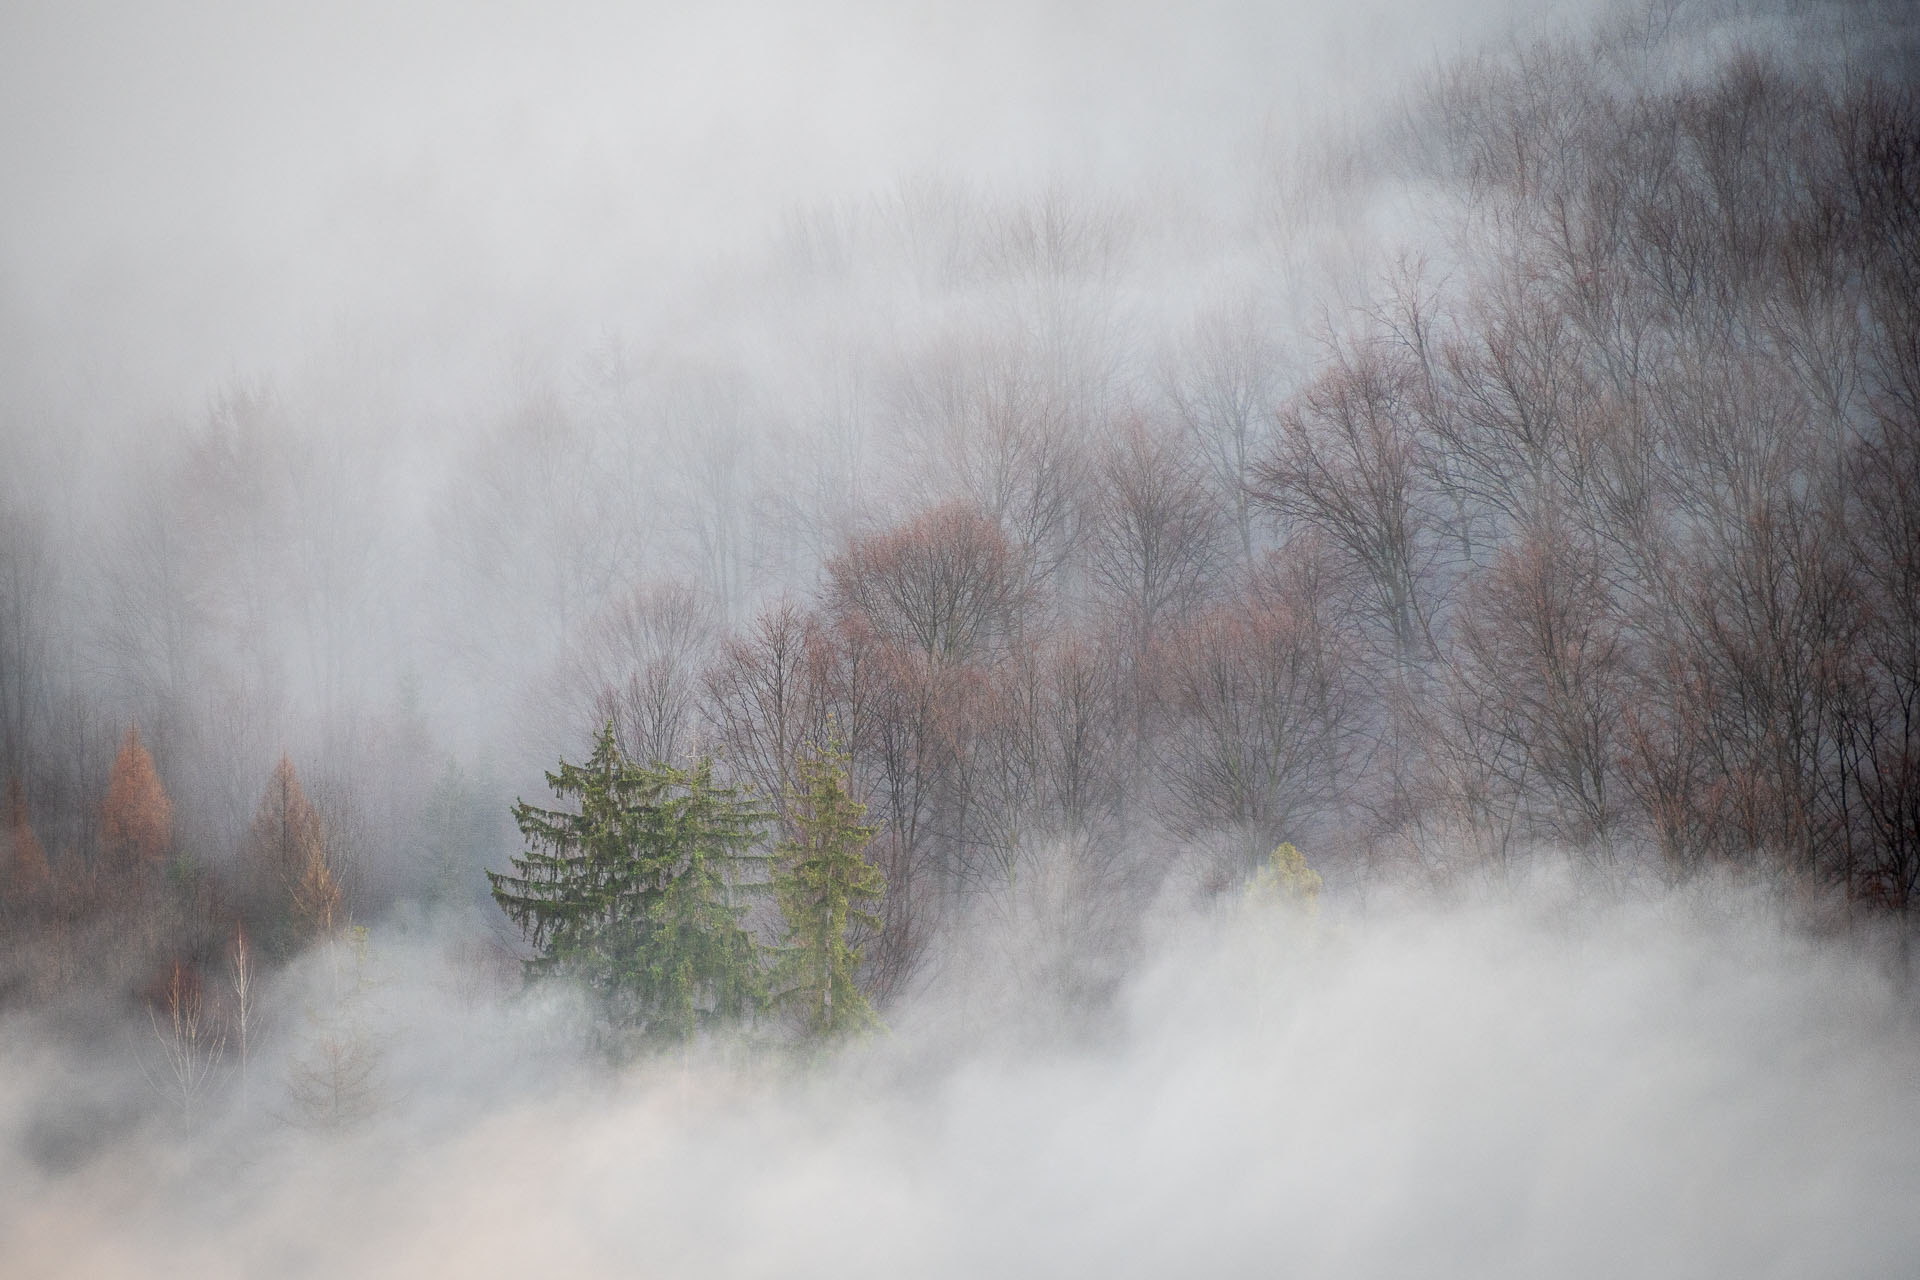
<point x="1023" y="640"/>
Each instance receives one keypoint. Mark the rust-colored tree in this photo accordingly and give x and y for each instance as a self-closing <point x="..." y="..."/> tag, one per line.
<point x="1038" y="766"/>
<point x="136" y="822"/>
<point x="288" y="861"/>
<point x="316" y="898"/>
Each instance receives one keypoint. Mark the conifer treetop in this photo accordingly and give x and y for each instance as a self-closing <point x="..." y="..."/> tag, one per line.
<point x="635" y="890"/>
<point x="825" y="887"/>
<point x="137" y="816"/>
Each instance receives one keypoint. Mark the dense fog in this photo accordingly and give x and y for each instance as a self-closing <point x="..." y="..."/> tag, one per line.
<point x="1013" y="638"/>
<point x="1667" y="1087"/>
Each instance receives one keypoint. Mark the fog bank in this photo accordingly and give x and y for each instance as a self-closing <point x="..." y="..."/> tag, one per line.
<point x="1529" y="1083"/>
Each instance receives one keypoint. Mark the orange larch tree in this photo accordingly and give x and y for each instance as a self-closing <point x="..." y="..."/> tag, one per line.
<point x="137" y="818"/>
<point x="287" y="849"/>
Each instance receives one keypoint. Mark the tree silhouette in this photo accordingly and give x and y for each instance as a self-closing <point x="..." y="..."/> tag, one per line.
<point x="632" y="892"/>
<point x="824" y="883"/>
<point x="945" y="584"/>
<point x="287" y="858"/>
<point x="137" y="818"/>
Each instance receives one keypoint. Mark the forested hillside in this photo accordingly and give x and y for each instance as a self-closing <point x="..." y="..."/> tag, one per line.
<point x="953" y="600"/>
<point x="1545" y="477"/>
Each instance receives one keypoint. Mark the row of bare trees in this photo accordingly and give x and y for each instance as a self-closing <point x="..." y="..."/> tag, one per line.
<point x="1632" y="500"/>
<point x="1608" y="542"/>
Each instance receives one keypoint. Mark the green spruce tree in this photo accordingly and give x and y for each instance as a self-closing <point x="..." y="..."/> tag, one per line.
<point x="825" y="885"/>
<point x="633" y="892"/>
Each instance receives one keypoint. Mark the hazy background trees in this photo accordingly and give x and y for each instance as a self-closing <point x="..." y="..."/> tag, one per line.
<point x="1113" y="532"/>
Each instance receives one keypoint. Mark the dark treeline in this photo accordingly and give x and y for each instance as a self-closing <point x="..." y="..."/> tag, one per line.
<point x="1593" y="524"/>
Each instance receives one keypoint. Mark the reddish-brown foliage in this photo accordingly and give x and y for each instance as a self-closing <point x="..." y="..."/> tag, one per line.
<point x="137" y="818"/>
<point x="287" y="849"/>
<point x="945" y="583"/>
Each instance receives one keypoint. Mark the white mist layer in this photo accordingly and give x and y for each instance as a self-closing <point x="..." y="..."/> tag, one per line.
<point x="199" y="191"/>
<point x="1540" y="1087"/>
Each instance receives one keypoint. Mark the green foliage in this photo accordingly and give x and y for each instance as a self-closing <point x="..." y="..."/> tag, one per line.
<point x="1285" y="877"/>
<point x="633" y="893"/>
<point x="825" y="884"/>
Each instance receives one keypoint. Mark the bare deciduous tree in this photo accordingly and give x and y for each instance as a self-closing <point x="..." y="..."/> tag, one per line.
<point x="1347" y="463"/>
<point x="1546" y="678"/>
<point x="1158" y="538"/>
<point x="945" y="585"/>
<point x="1223" y="388"/>
<point x="639" y="665"/>
<point x="1256" y="713"/>
<point x="190" y="1043"/>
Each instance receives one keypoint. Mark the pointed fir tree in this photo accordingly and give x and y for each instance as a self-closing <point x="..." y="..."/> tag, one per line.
<point x="286" y="834"/>
<point x="136" y="821"/>
<point x="825" y="885"/>
<point x="633" y="891"/>
<point x="288" y="863"/>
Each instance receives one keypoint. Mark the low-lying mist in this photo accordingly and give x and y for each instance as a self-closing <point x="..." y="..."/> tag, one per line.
<point x="1346" y="577"/>
<point x="1553" y="1079"/>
